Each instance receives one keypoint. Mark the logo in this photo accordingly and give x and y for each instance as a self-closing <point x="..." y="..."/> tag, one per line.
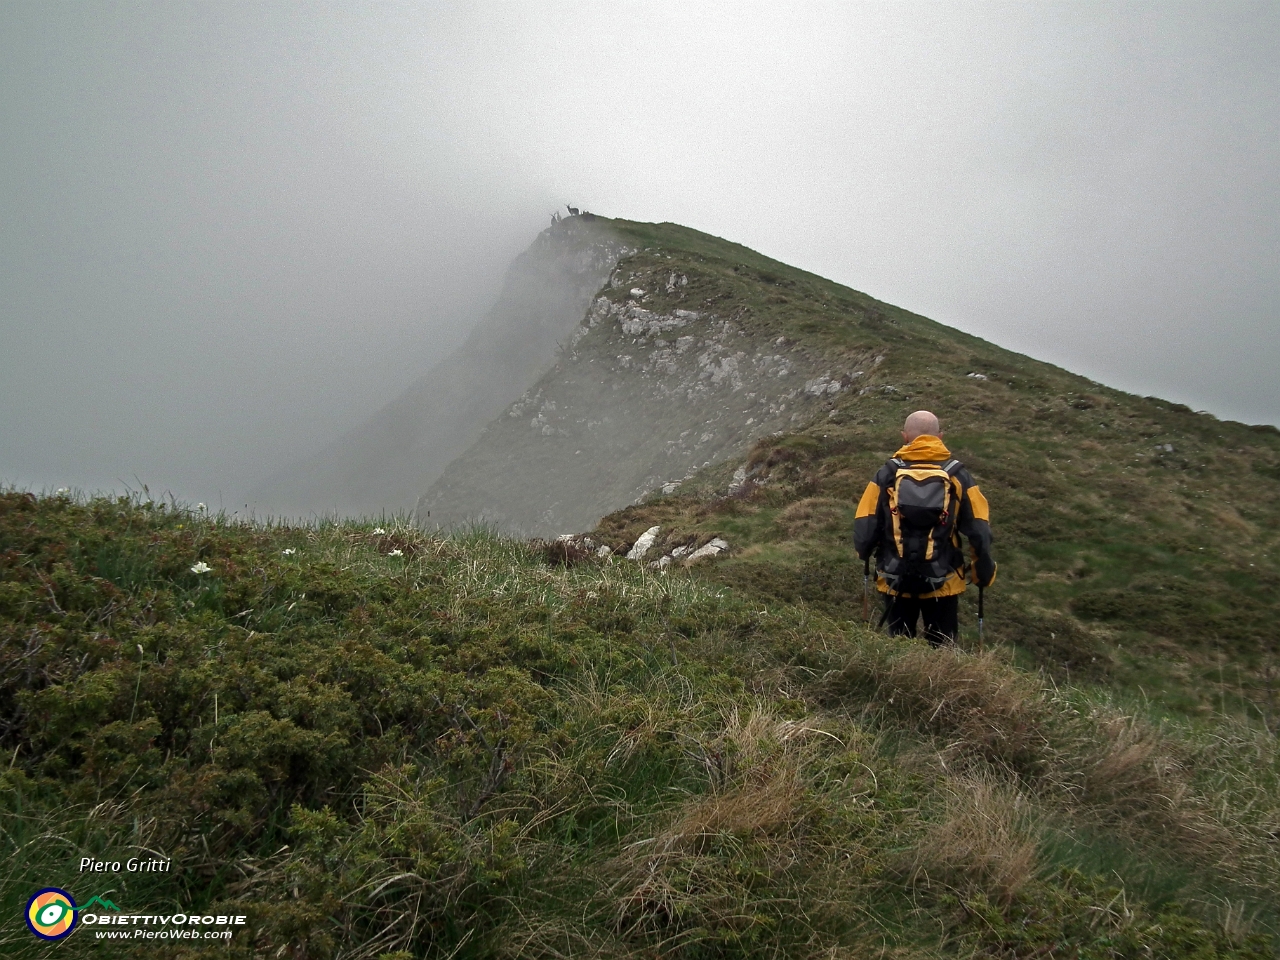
<point x="51" y="913"/>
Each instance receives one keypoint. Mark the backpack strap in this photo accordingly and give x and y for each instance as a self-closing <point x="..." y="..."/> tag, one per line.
<point x="951" y="466"/>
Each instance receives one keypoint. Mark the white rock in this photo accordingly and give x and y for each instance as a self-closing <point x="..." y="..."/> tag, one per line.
<point x="641" y="546"/>
<point x="671" y="486"/>
<point x="715" y="547"/>
<point x="679" y="552"/>
<point x="604" y="551"/>
<point x="637" y="292"/>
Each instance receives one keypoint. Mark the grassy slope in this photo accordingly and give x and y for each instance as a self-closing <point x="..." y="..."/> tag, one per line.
<point x="390" y="744"/>
<point x="1121" y="561"/>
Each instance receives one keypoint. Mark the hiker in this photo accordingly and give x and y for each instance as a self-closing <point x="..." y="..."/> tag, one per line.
<point x="911" y="517"/>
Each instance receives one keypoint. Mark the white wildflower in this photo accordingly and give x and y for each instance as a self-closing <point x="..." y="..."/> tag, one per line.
<point x="201" y="507"/>
<point x="396" y="553"/>
<point x="378" y="531"/>
<point x="288" y="551"/>
<point x="201" y="567"/>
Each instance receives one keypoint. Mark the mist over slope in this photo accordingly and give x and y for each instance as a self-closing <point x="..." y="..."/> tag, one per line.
<point x="384" y="464"/>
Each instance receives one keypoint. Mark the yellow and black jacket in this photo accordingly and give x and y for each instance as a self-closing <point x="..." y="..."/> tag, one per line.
<point x="875" y="527"/>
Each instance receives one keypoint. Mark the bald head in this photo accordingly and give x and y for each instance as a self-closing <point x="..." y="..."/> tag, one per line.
<point x="919" y="424"/>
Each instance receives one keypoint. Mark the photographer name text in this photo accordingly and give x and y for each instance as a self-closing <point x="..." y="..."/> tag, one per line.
<point x="132" y="865"/>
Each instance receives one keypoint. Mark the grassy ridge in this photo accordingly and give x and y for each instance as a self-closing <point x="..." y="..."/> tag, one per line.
<point x="387" y="744"/>
<point x="1139" y="541"/>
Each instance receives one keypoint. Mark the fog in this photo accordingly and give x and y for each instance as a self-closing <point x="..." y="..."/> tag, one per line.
<point x="231" y="232"/>
<point x="209" y="265"/>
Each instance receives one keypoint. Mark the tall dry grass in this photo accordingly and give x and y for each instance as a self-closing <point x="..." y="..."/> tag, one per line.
<point x="985" y="709"/>
<point x="1083" y="761"/>
<point x="985" y="842"/>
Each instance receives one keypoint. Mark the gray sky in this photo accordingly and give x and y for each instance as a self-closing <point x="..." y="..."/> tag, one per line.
<point x="229" y="231"/>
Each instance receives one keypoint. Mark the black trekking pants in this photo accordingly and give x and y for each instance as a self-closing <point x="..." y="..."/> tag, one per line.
<point x="941" y="617"/>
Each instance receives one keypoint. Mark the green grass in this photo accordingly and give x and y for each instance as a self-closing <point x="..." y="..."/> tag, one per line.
<point x="463" y="750"/>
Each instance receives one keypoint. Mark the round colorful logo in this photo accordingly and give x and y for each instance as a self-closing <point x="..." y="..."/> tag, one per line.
<point x="51" y="913"/>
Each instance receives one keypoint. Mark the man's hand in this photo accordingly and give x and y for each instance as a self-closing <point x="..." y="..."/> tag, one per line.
<point x="984" y="571"/>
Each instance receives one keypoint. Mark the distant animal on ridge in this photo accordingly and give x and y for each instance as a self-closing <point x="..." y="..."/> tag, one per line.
<point x="573" y="211"/>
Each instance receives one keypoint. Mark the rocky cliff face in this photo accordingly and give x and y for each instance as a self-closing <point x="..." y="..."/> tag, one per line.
<point x="665" y="374"/>
<point x="385" y="464"/>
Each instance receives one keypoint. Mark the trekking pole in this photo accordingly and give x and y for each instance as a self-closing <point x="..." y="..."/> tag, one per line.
<point x="889" y="601"/>
<point x="866" y="576"/>
<point x="979" y="615"/>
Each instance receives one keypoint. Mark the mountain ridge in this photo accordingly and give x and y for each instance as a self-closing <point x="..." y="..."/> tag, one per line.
<point x="644" y="324"/>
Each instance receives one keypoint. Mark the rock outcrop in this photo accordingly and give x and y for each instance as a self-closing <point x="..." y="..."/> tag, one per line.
<point x="655" y="383"/>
